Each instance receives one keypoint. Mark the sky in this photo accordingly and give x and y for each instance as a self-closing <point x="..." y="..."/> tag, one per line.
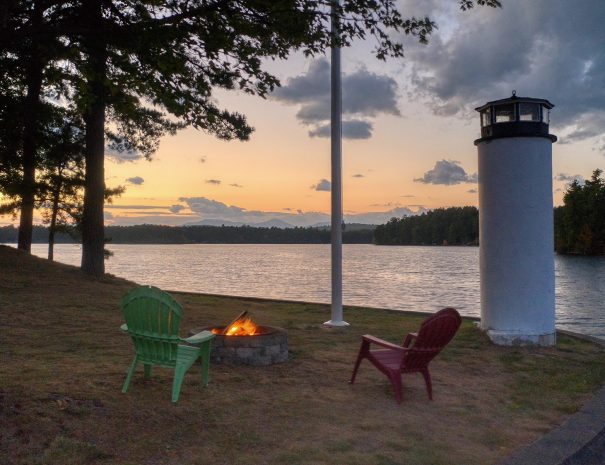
<point x="408" y="124"/>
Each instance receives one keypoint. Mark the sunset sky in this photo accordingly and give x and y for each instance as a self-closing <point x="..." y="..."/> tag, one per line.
<point x="409" y="124"/>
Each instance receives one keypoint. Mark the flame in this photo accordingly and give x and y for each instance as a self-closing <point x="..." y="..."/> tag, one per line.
<point x="240" y="327"/>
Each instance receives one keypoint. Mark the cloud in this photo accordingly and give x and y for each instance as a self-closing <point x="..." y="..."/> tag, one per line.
<point x="447" y="172"/>
<point x="164" y="219"/>
<point x="136" y="180"/>
<point x="138" y="213"/>
<point x="124" y="156"/>
<point x="358" y="176"/>
<point x="541" y="48"/>
<point x="382" y="217"/>
<point x="570" y="177"/>
<point x="364" y="95"/>
<point x="407" y="195"/>
<point x="216" y="182"/>
<point x="322" y="185"/>
<point x="352" y="129"/>
<point x="203" y="208"/>
<point x="176" y="209"/>
<point x="130" y="207"/>
<point x="388" y="204"/>
<point x="235" y="185"/>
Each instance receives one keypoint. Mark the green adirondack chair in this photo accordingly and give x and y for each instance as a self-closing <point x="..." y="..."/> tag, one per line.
<point x="152" y="320"/>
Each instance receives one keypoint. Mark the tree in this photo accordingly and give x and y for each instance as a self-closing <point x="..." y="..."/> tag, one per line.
<point x="26" y="59"/>
<point x="10" y="150"/>
<point x="62" y="178"/>
<point x="580" y="221"/>
<point x="175" y="53"/>
<point x="442" y="226"/>
<point x="135" y="61"/>
<point x="40" y="61"/>
<point x="59" y="181"/>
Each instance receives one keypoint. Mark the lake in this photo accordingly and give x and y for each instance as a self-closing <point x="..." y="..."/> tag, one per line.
<point x="401" y="278"/>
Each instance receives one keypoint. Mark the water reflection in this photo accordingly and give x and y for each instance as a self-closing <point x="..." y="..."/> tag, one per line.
<point x="580" y="291"/>
<point x="403" y="278"/>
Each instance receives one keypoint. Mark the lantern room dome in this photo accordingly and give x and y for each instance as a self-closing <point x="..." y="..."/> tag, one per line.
<point x="515" y="117"/>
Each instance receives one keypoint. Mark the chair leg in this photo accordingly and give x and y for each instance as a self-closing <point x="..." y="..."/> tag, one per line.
<point x="363" y="350"/>
<point x="179" y="374"/>
<point x="185" y="357"/>
<point x="133" y="367"/>
<point x="429" y="384"/>
<point x="395" y="379"/>
<point x="147" y="368"/>
<point x="205" y="361"/>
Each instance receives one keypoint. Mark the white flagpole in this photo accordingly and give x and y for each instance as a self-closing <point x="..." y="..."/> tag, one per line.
<point x="336" y="151"/>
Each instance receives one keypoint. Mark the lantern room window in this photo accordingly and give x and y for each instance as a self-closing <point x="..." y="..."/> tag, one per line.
<point x="504" y="113"/>
<point x="545" y="115"/>
<point x="486" y="117"/>
<point x="529" y="112"/>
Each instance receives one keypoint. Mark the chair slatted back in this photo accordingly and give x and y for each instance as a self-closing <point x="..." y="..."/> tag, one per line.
<point x="153" y="319"/>
<point x="434" y="334"/>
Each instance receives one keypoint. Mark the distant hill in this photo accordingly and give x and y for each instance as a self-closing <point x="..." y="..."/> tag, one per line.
<point x="273" y="223"/>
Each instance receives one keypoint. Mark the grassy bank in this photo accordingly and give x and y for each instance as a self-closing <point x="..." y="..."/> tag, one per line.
<point x="64" y="361"/>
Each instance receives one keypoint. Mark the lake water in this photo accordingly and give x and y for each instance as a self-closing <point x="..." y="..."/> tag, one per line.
<point x="402" y="278"/>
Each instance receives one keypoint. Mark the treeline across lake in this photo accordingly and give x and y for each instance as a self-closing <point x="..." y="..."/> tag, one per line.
<point x="443" y="226"/>
<point x="156" y="234"/>
<point x="579" y="224"/>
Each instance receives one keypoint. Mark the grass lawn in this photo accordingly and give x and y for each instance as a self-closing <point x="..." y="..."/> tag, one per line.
<point x="64" y="359"/>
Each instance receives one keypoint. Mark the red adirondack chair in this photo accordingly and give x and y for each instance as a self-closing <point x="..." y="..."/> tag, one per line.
<point x="414" y="355"/>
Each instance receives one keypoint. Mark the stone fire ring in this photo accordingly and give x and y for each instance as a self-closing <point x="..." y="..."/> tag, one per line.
<point x="268" y="347"/>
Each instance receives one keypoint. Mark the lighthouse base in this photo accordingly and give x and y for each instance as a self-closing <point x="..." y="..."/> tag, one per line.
<point x="515" y="338"/>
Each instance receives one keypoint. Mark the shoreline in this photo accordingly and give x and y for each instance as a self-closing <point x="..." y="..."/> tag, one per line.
<point x="567" y="332"/>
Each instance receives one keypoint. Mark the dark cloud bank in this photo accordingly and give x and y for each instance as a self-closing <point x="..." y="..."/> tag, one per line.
<point x="541" y="48"/>
<point x="364" y="96"/>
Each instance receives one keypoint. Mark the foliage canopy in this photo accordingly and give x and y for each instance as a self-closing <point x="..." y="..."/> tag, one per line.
<point x="150" y="67"/>
<point x="442" y="226"/>
<point x="580" y="222"/>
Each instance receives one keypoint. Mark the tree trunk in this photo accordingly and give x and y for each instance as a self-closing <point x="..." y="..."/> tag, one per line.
<point x="52" y="228"/>
<point x="93" y="239"/>
<point x="34" y="86"/>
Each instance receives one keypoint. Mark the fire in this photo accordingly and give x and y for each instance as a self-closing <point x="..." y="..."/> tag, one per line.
<point x="241" y="326"/>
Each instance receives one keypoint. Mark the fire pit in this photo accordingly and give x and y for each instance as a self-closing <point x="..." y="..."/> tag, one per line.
<point x="245" y="343"/>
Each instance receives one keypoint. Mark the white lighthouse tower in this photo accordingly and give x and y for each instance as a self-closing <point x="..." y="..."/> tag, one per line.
<point x="516" y="222"/>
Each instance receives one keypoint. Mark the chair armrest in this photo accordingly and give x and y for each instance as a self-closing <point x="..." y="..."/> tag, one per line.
<point x="124" y="327"/>
<point x="199" y="338"/>
<point x="374" y="340"/>
<point x="409" y="339"/>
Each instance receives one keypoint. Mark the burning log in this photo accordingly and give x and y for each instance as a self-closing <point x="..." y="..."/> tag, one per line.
<point x="241" y="316"/>
<point x="240" y="326"/>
